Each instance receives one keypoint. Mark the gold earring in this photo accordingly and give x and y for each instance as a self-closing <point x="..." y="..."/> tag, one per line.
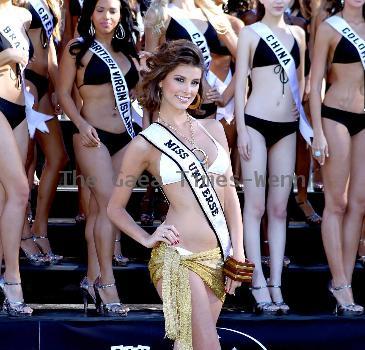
<point x="196" y="104"/>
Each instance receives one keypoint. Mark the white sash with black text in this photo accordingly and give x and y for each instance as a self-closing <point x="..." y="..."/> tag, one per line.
<point x="35" y="120"/>
<point x="345" y="30"/>
<point x="197" y="178"/>
<point x="120" y="87"/>
<point x="45" y="15"/>
<point x="287" y="62"/>
<point x="197" y="37"/>
<point x="81" y="2"/>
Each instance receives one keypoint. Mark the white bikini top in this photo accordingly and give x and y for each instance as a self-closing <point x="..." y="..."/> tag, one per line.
<point x="170" y="173"/>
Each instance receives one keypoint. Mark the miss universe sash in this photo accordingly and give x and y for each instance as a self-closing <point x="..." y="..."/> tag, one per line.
<point x="45" y="15"/>
<point x="345" y="30"/>
<point x="35" y="120"/>
<point x="120" y="88"/>
<point x="197" y="37"/>
<point x="287" y="62"/>
<point x="196" y="177"/>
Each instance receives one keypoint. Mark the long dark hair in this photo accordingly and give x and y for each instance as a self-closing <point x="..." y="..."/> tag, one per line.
<point x="125" y="45"/>
<point x="336" y="6"/>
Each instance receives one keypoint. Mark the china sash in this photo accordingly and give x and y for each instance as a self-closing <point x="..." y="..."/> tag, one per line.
<point x="120" y="88"/>
<point x="197" y="37"/>
<point x="345" y="30"/>
<point x="197" y="178"/>
<point x="287" y="62"/>
<point x="35" y="120"/>
<point x="45" y="15"/>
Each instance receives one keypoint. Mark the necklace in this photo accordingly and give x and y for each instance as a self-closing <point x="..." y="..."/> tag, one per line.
<point x="199" y="153"/>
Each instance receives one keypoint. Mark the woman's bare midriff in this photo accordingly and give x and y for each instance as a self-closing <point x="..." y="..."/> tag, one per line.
<point x="8" y="82"/>
<point x="40" y="63"/>
<point x="99" y="108"/>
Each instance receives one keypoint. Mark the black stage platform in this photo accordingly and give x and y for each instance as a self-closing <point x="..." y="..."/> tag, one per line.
<point x="63" y="327"/>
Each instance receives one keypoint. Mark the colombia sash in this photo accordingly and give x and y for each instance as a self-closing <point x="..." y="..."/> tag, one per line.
<point x="166" y="142"/>
<point x="197" y="37"/>
<point x="120" y="88"/>
<point x="287" y="62"/>
<point x="345" y="30"/>
<point x="45" y="15"/>
<point x="35" y="120"/>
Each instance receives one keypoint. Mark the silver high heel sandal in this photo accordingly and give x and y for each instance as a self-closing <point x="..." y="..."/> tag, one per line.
<point x="345" y="309"/>
<point x="283" y="307"/>
<point x="108" y="309"/>
<point x="53" y="259"/>
<point x="86" y="295"/>
<point x="264" y="307"/>
<point x="119" y="259"/>
<point x="13" y="308"/>
<point x="35" y="259"/>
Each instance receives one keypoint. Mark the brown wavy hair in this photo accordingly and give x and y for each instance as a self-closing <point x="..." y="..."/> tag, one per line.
<point x="167" y="57"/>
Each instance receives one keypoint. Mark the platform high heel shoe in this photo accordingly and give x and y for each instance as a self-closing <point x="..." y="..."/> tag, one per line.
<point x="13" y="308"/>
<point x="264" y="307"/>
<point x="53" y="259"/>
<point x="345" y="309"/>
<point x="85" y="292"/>
<point x="283" y="307"/>
<point x="108" y="309"/>
<point x="35" y="259"/>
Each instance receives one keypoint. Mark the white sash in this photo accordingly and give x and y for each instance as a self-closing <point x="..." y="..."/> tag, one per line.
<point x="35" y="120"/>
<point x="45" y="15"/>
<point x="287" y="62"/>
<point x="197" y="178"/>
<point x="345" y="30"/>
<point x="120" y="88"/>
<point x="197" y="37"/>
<point x="81" y="2"/>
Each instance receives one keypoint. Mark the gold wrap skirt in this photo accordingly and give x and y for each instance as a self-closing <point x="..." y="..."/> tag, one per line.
<point x="174" y="267"/>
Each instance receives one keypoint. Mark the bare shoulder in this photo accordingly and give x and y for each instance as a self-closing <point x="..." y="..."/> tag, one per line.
<point x="24" y="15"/>
<point x="214" y="127"/>
<point x="325" y="30"/>
<point x="298" y="32"/>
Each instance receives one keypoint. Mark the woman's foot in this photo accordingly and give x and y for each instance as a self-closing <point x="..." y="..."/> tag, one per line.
<point x="309" y="214"/>
<point x="14" y="303"/>
<point x="277" y="298"/>
<point x="344" y="300"/>
<point x="43" y="244"/>
<point x="263" y="302"/>
<point x="80" y="218"/>
<point x="32" y="253"/>
<point x="118" y="258"/>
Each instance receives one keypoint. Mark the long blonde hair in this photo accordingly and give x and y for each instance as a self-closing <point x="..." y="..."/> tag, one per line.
<point x="55" y="6"/>
<point x="214" y="14"/>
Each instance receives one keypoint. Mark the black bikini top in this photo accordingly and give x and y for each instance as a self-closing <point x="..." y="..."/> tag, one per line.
<point x="4" y="44"/>
<point x="97" y="73"/>
<point x="345" y="52"/>
<point x="75" y="8"/>
<point x="264" y="56"/>
<point x="175" y="31"/>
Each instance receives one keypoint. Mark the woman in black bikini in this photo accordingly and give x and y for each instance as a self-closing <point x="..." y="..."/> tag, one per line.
<point x="13" y="151"/>
<point x="266" y="127"/>
<point x="339" y="143"/>
<point x="102" y="132"/>
<point x="42" y="70"/>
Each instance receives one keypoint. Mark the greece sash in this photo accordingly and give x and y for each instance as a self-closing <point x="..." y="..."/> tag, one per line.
<point x="197" y="178"/>
<point x="345" y="30"/>
<point x="45" y="15"/>
<point x="197" y="37"/>
<point x="35" y="120"/>
<point x="287" y="62"/>
<point x="120" y="88"/>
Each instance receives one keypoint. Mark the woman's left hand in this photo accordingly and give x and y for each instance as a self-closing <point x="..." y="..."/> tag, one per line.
<point x="231" y="286"/>
<point x="214" y="96"/>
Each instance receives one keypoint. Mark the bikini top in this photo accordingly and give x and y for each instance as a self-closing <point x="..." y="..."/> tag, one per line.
<point x="345" y="52"/>
<point x="175" y="31"/>
<point x="36" y="19"/>
<point x="97" y="73"/>
<point x="4" y="44"/>
<point x="264" y="56"/>
<point x="170" y="173"/>
<point x="75" y="8"/>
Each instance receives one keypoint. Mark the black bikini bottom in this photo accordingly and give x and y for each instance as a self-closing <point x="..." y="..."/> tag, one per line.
<point x="14" y="113"/>
<point x="207" y="108"/>
<point x="39" y="81"/>
<point x="354" y="122"/>
<point x="271" y="131"/>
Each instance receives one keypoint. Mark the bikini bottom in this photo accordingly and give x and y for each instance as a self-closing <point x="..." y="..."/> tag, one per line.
<point x="13" y="112"/>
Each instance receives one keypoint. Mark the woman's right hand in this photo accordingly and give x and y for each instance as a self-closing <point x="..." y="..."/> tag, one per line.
<point x="89" y="136"/>
<point x="320" y="148"/>
<point x="244" y="144"/>
<point x="18" y="56"/>
<point x="164" y="233"/>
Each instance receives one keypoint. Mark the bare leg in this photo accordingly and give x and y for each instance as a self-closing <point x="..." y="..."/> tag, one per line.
<point x="361" y="248"/>
<point x="353" y="219"/>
